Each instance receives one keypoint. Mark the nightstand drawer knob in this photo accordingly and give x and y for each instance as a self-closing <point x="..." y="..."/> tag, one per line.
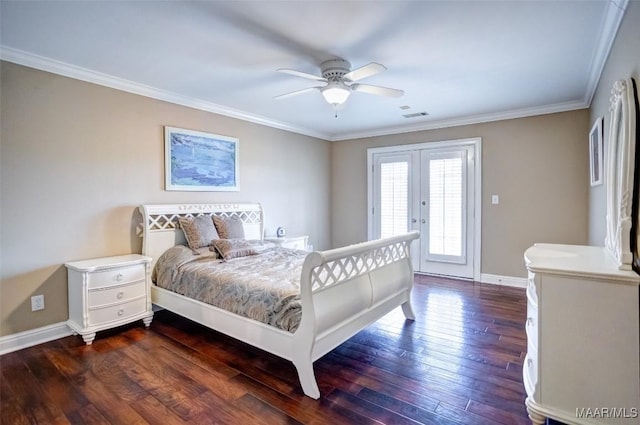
<point x="121" y="312"/>
<point x="120" y="295"/>
<point x="119" y="277"/>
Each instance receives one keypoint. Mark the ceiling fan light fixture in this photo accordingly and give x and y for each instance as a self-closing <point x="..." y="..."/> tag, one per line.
<point x="336" y="93"/>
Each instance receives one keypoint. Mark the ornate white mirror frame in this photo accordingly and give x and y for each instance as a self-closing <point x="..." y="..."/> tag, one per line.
<point x="620" y="172"/>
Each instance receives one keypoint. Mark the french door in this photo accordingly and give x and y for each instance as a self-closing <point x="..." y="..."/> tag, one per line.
<point x="431" y="188"/>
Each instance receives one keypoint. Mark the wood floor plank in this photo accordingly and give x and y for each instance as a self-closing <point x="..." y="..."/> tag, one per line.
<point x="54" y="383"/>
<point x="226" y="412"/>
<point x="155" y="411"/>
<point x="404" y="388"/>
<point x="421" y="414"/>
<point x="192" y="356"/>
<point x="367" y="409"/>
<point x="114" y="408"/>
<point x="29" y="393"/>
<point x="266" y="412"/>
<point x="461" y="416"/>
<point x="491" y="370"/>
<point x="87" y="415"/>
<point x="11" y="411"/>
<point x="359" y="381"/>
<point x="296" y="406"/>
<point x="499" y="415"/>
<point x="459" y="363"/>
<point x="166" y="369"/>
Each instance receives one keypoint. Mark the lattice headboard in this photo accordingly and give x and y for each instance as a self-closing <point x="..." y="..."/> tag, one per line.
<point x="159" y="223"/>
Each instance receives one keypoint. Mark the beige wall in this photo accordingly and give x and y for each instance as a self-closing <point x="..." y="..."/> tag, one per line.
<point x="537" y="165"/>
<point x="77" y="159"/>
<point x="623" y="62"/>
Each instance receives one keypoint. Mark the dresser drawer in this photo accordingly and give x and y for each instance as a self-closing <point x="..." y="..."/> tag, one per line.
<point x="119" y="276"/>
<point x="531" y="324"/>
<point x="531" y="287"/>
<point x="116" y="294"/>
<point x="530" y="372"/>
<point x="101" y="315"/>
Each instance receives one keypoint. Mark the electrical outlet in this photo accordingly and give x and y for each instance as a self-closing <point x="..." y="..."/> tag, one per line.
<point x="37" y="302"/>
<point x="495" y="199"/>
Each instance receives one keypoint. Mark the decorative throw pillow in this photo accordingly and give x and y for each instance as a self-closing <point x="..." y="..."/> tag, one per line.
<point x="199" y="231"/>
<point x="233" y="248"/>
<point x="229" y="227"/>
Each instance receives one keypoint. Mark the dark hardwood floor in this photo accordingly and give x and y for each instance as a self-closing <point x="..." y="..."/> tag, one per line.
<point x="460" y="362"/>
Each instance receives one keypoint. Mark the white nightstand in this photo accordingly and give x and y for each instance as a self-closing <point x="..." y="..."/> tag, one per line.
<point x="291" y="242"/>
<point x="108" y="292"/>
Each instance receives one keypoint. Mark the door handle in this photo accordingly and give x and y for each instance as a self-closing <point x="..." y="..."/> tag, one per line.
<point x="413" y="220"/>
<point x="424" y="221"/>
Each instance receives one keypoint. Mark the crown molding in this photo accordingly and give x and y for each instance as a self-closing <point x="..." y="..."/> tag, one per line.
<point x="610" y="24"/>
<point x="42" y="63"/>
<point x="469" y="120"/>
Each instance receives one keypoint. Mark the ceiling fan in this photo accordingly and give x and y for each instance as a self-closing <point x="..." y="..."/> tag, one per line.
<point x="341" y="81"/>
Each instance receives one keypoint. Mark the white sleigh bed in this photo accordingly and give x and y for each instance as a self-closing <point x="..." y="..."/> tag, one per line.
<point x="342" y="290"/>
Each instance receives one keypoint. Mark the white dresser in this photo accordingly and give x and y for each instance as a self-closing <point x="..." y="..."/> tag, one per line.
<point x="291" y="242"/>
<point x="108" y="292"/>
<point x="583" y="334"/>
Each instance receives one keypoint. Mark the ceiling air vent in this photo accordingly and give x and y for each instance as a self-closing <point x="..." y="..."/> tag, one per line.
<point x="417" y="114"/>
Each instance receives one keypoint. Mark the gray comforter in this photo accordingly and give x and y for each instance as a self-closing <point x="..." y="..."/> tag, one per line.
<point x="263" y="287"/>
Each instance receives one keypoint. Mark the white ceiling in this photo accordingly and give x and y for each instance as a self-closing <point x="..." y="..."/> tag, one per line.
<point x="459" y="61"/>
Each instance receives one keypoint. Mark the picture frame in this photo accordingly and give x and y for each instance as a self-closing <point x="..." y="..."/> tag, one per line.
<point x="199" y="161"/>
<point x="596" y="157"/>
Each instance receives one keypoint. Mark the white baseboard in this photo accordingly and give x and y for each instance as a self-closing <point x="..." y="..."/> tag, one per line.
<point x="517" y="282"/>
<point x="15" y="342"/>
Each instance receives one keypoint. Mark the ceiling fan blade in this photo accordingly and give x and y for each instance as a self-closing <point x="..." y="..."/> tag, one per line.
<point x="364" y="71"/>
<point x="302" y="74"/>
<point x="382" y="91"/>
<point x="297" y="92"/>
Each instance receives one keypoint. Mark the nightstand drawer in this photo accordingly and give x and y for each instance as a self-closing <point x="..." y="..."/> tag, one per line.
<point x="290" y="242"/>
<point x="116" y="294"/>
<point x="119" y="276"/>
<point x="117" y="312"/>
<point x="298" y="243"/>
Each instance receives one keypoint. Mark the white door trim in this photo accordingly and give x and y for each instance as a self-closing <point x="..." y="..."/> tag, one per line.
<point x="477" y="143"/>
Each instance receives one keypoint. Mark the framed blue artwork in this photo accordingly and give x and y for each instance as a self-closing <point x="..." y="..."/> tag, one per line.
<point x="596" y="154"/>
<point x="200" y="161"/>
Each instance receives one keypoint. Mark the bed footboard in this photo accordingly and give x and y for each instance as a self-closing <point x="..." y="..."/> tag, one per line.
<point x="344" y="290"/>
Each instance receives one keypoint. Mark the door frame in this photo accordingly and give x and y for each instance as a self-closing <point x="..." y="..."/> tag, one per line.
<point x="476" y="142"/>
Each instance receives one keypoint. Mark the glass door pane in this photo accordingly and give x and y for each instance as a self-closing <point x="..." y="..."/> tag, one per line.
<point x="392" y="209"/>
<point x="446" y="206"/>
<point x="394" y="198"/>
